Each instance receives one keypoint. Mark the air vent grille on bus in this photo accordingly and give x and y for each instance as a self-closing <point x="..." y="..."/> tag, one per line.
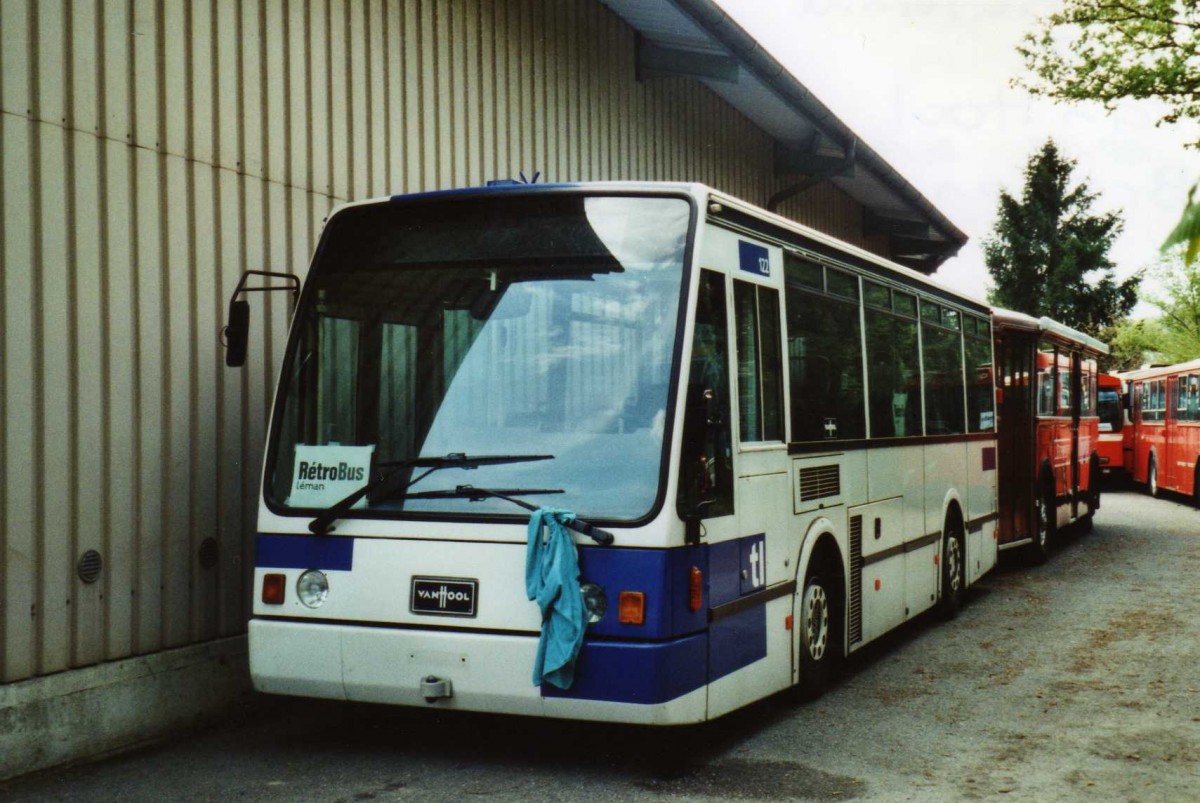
<point x="818" y="482"/>
<point x="856" y="562"/>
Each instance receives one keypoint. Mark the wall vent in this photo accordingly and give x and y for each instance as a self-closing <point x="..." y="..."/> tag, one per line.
<point x="208" y="553"/>
<point x="856" y="562"/>
<point x="819" y="482"/>
<point x="89" y="566"/>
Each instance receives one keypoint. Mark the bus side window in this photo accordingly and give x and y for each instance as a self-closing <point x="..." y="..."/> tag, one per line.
<point x="1047" y="358"/>
<point x="981" y="409"/>
<point x="942" y="355"/>
<point x="760" y="396"/>
<point x="706" y="475"/>
<point x="1181" y="400"/>
<point x="825" y="356"/>
<point x="894" y="370"/>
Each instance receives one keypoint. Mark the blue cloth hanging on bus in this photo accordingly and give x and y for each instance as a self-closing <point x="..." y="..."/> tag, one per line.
<point x="552" y="579"/>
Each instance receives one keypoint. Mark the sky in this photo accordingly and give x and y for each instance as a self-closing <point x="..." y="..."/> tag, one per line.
<point x="927" y="86"/>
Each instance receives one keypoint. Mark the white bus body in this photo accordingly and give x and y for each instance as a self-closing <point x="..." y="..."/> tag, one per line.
<point x="796" y="512"/>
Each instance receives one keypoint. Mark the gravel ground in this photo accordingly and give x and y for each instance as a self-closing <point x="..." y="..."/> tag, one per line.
<point x="1077" y="680"/>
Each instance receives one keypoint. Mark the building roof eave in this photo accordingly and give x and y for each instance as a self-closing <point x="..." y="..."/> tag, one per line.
<point x="767" y="93"/>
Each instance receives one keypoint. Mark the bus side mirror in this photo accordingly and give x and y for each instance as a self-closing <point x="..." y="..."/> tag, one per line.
<point x="237" y="333"/>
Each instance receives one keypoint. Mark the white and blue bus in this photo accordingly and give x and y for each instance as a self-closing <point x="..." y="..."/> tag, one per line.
<point x="778" y="446"/>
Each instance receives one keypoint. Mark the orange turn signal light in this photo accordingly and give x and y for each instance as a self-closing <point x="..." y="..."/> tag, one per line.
<point x="695" y="590"/>
<point x="274" y="586"/>
<point x="631" y="608"/>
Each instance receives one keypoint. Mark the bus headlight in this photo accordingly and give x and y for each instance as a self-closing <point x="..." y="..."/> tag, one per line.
<point x="312" y="588"/>
<point x="595" y="602"/>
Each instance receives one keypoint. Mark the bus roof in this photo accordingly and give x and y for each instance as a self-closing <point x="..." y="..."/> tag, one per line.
<point x="702" y="193"/>
<point x="1010" y="319"/>
<point x="1162" y="370"/>
<point x="909" y="275"/>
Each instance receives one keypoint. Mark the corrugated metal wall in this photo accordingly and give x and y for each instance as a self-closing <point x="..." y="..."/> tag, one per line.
<point x="151" y="152"/>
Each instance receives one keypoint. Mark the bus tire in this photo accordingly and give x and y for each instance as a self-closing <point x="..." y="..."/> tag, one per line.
<point x="1047" y="525"/>
<point x="1093" y="497"/>
<point x="820" y="644"/>
<point x="1196" y="484"/>
<point x="954" y="569"/>
<point x="1152" y="479"/>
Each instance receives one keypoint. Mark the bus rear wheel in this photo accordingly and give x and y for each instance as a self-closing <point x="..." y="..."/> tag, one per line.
<point x="1093" y="498"/>
<point x="1087" y="520"/>
<point x="819" y="642"/>
<point x="1047" y="523"/>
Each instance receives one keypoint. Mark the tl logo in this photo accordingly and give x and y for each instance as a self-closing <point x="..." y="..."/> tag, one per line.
<point x="754" y="563"/>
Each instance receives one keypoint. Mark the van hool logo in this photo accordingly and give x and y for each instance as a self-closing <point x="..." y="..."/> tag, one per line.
<point x="443" y="597"/>
<point x="341" y="472"/>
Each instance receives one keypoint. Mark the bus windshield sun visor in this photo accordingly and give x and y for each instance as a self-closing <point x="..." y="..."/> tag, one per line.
<point x="600" y="536"/>
<point x="401" y="470"/>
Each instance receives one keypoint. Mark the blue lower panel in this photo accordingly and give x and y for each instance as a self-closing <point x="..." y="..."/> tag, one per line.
<point x="637" y="672"/>
<point x="737" y="641"/>
<point x="329" y="553"/>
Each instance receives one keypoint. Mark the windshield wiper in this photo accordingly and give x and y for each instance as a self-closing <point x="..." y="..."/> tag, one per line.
<point x="322" y="523"/>
<point x="600" y="536"/>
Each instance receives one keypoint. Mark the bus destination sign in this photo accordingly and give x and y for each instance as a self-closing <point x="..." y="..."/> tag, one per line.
<point x="754" y="258"/>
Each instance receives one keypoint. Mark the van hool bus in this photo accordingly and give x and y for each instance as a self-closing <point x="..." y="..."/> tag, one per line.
<point x="777" y="447"/>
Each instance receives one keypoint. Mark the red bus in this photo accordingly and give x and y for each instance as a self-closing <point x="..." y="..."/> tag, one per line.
<point x="1166" y="427"/>
<point x="1114" y="433"/>
<point x="1049" y="465"/>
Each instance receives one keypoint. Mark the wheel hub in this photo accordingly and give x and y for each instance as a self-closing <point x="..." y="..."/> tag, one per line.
<point x="816" y="621"/>
<point x="952" y="565"/>
<point x="1043" y="522"/>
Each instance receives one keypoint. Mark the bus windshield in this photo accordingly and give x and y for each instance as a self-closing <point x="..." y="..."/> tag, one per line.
<point x="499" y="325"/>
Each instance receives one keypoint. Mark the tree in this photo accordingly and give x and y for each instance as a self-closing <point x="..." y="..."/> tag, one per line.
<point x="1049" y="255"/>
<point x="1170" y="338"/>
<point x="1112" y="50"/>
<point x="1180" y="305"/>
<point x="1133" y="344"/>
<point x="1187" y="230"/>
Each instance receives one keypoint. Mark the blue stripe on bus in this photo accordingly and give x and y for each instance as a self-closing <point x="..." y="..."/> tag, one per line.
<point x="741" y="639"/>
<point x="661" y="574"/>
<point x="637" y="672"/>
<point x="656" y="672"/>
<point x="737" y="568"/>
<point x="304" y="552"/>
<point x="737" y="641"/>
<point x="661" y="668"/>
